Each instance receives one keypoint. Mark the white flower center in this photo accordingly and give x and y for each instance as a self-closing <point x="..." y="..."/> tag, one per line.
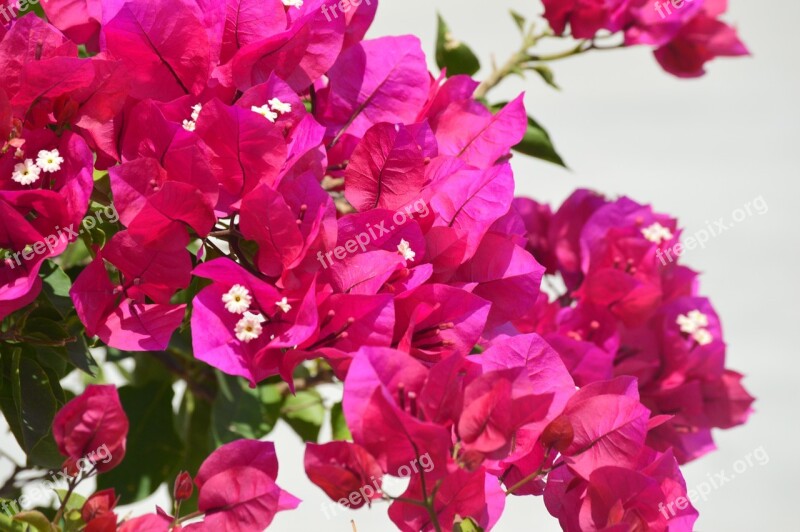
<point x="694" y="324"/>
<point x="280" y="107"/>
<point x="237" y="300"/>
<point x="703" y="337"/>
<point x="249" y="327"/>
<point x="26" y="173"/>
<point x="657" y="233"/>
<point x="266" y="112"/>
<point x="189" y="125"/>
<point x="49" y="161"/>
<point x="196" y="111"/>
<point x="404" y="248"/>
<point x="284" y="305"/>
<point x="691" y="322"/>
<point x="293" y="3"/>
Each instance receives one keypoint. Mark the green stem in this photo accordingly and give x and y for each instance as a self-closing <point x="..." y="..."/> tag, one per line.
<point x="577" y="50"/>
<point x="406" y="500"/>
<point x="523" y="58"/>
<point x="540" y="472"/>
<point x="188" y="517"/>
<point x="428" y="500"/>
<point x="499" y="74"/>
<point x="73" y="483"/>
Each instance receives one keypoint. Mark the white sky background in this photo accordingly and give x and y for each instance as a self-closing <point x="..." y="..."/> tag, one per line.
<point x="695" y="149"/>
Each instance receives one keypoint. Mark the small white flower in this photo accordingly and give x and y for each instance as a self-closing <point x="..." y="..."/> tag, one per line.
<point x="237" y="300"/>
<point x="26" y="173"/>
<point x="196" y="111"/>
<point x="189" y="125"/>
<point x="284" y="305"/>
<point x="266" y="112"/>
<point x="280" y="107"/>
<point x="657" y="233"/>
<point x="293" y="3"/>
<point x="703" y="337"/>
<point x="49" y="161"/>
<point x="404" y="248"/>
<point x="249" y="327"/>
<point x="692" y="322"/>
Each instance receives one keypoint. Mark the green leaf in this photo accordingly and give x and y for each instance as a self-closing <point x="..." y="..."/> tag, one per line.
<point x="241" y="412"/>
<point x="44" y="329"/>
<point x="8" y="404"/>
<point x="537" y="143"/>
<point x="467" y="525"/>
<point x="339" y="427"/>
<point x="454" y="55"/>
<point x="519" y="20"/>
<point x="102" y="188"/>
<point x="73" y="522"/>
<point x="75" y="501"/>
<point x="94" y="237"/>
<point x="194" y="422"/>
<point x="305" y="413"/>
<point x="76" y="253"/>
<point x="36" y="405"/>
<point x="53" y="361"/>
<point x="37" y="9"/>
<point x="78" y="352"/>
<point x="56" y="287"/>
<point x="8" y="524"/>
<point x="153" y="450"/>
<point x="37" y="520"/>
<point x="546" y="73"/>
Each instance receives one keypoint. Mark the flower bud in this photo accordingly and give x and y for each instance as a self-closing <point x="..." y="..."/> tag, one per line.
<point x="183" y="486"/>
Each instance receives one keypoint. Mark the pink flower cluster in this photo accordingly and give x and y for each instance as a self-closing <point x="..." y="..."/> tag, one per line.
<point x="686" y="34"/>
<point x="509" y="417"/>
<point x="626" y="313"/>
<point x="236" y="483"/>
<point x="243" y="140"/>
<point x="644" y="349"/>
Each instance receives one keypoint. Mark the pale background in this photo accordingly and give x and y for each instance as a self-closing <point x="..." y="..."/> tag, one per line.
<point x="697" y="149"/>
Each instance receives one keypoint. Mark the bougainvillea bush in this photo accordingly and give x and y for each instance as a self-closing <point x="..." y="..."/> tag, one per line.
<point x="221" y="206"/>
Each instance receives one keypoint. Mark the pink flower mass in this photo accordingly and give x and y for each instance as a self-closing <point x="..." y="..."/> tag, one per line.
<point x="301" y="205"/>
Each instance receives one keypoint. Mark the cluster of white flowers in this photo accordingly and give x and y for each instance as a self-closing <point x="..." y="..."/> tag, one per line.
<point x="271" y="109"/>
<point x="694" y="324"/>
<point x="237" y="301"/>
<point x="657" y="233"/>
<point x="191" y="125"/>
<point x="27" y="172"/>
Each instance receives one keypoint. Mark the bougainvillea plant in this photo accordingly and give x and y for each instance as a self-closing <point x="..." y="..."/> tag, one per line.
<point x="209" y="209"/>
